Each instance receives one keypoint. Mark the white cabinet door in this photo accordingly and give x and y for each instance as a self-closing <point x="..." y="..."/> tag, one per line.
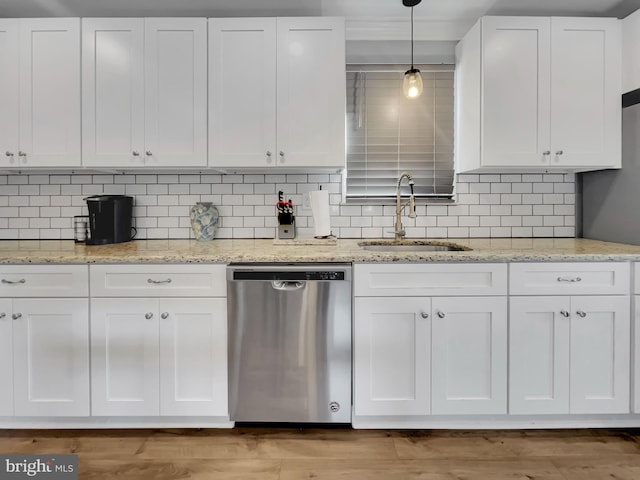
<point x="175" y="92"/>
<point x="630" y="53"/>
<point x="193" y="357"/>
<point x="6" y="359"/>
<point x="113" y="92"/>
<point x="51" y="357"/>
<point x="636" y="347"/>
<point x="539" y="330"/>
<point x="392" y="342"/>
<point x="469" y="355"/>
<point x="311" y="86"/>
<point x="600" y="358"/>
<point x="585" y="93"/>
<point x="516" y="91"/>
<point x="242" y="92"/>
<point x="124" y="357"/>
<point x="9" y="91"/>
<point x="50" y="92"/>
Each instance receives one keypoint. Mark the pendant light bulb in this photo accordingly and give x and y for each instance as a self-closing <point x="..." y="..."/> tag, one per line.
<point x="412" y="82"/>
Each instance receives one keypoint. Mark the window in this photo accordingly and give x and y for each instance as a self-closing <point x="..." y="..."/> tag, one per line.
<point x="388" y="134"/>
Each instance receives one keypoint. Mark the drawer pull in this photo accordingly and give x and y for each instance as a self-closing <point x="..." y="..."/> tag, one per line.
<point x="164" y="315"/>
<point x="2" y="315"/>
<point x="13" y="282"/>
<point x="16" y="316"/>
<point x="581" y="314"/>
<point x="424" y="314"/>
<point x="148" y="315"/>
<point x="564" y="313"/>
<point x="440" y="314"/>
<point x="158" y="282"/>
<point x="569" y="279"/>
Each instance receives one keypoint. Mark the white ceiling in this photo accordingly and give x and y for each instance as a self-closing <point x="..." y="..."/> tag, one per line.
<point x="436" y="20"/>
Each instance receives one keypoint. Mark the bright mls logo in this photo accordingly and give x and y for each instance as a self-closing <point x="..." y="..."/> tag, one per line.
<point x="51" y="467"/>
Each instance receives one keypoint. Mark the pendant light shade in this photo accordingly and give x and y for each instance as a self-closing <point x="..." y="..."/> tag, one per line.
<point x="412" y="82"/>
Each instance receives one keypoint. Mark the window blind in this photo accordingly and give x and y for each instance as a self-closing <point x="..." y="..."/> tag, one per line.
<point x="388" y="133"/>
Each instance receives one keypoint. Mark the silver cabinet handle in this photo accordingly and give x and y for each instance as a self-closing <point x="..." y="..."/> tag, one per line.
<point x="424" y="314"/>
<point x="135" y="153"/>
<point x="440" y="314"/>
<point x="564" y="313"/>
<point x="22" y="154"/>
<point x="569" y="279"/>
<point x="581" y="314"/>
<point x="13" y="282"/>
<point x="9" y="154"/>
<point x="148" y="153"/>
<point x="158" y="282"/>
<point x="268" y="153"/>
<point x="16" y="316"/>
<point x="559" y="152"/>
<point x="281" y="153"/>
<point x="148" y="315"/>
<point x="2" y="315"/>
<point x="546" y="152"/>
<point x="164" y="315"/>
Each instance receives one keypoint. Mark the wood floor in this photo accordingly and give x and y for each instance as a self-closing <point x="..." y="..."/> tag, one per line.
<point x="323" y="454"/>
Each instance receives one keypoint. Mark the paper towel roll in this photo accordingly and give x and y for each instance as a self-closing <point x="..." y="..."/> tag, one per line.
<point x="320" y="212"/>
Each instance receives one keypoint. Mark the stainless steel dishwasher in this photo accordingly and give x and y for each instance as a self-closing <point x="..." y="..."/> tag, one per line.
<point x="289" y="343"/>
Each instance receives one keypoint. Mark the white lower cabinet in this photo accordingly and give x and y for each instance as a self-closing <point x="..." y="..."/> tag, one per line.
<point x="469" y="355"/>
<point x="153" y="357"/>
<point x="430" y="339"/>
<point x="45" y="343"/>
<point x="6" y="359"/>
<point x="569" y="354"/>
<point x="392" y="356"/>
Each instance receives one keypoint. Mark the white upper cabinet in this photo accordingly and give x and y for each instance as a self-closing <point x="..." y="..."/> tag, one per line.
<point x="40" y="92"/>
<point x="538" y="93"/>
<point x="277" y="92"/>
<point x="630" y="52"/>
<point x="144" y="92"/>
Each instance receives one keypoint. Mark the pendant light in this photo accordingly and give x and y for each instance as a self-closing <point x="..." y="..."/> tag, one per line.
<point x="412" y="83"/>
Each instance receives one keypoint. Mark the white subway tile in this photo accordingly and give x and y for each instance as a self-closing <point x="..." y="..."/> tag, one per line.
<point x="18" y="222"/>
<point x="167" y="200"/>
<point x="500" y="232"/>
<point x="49" y="212"/>
<point x="179" y="189"/>
<point x="253" y="178"/>
<point x="480" y="210"/>
<point x="500" y="188"/>
<point x="570" y="221"/>
<point x="135" y="189"/>
<point x="318" y="178"/>
<point x="49" y="189"/>
<point x="39" y="179"/>
<point x="361" y="221"/>
<point x="479" y="188"/>
<point x="532" y="221"/>
<point x="473" y="221"/>
<point x="553" y="177"/>
<point x="458" y="210"/>
<point x="371" y="232"/>
<point x="39" y="223"/>
<point x="421" y="221"/>
<point x="543" y="209"/>
<point x="150" y="179"/>
<point x="523" y="232"/>
<point x="189" y="178"/>
<point x="468" y="199"/>
<point x="215" y="199"/>
<point x="60" y="179"/>
<point x="511" y="199"/>
<point x="10" y="190"/>
<point x="551" y="198"/>
<point x="240" y="188"/>
<point x="532" y="178"/>
<point x="511" y="221"/>
<point x="121" y="179"/>
<point x="188" y="199"/>
<point x="564" y="232"/>
<point x="168" y="222"/>
<point x="542" y="188"/>
<point x="564" y="188"/>
<point x="144" y="200"/>
<point x="146" y="222"/>
<point x="62" y="222"/>
<point x="200" y="189"/>
<point x="447" y="221"/>
<point x="179" y="233"/>
<point x="570" y="198"/>
<point x="50" y="234"/>
<point x="207" y="178"/>
<point x="257" y="200"/>
<point x="543" y="231"/>
<point x="266" y="188"/>
<point x="522" y="188"/>
<point x="157" y="233"/>
<point x="489" y="178"/>
<point x="158" y="211"/>
<point x="372" y="210"/>
<point x="18" y="180"/>
<point x="489" y="221"/>
<point x="458" y="232"/>
<point x="296" y="179"/>
<point x="416" y="232"/>
<point x="490" y="198"/>
<point x="348" y="232"/>
<point x="564" y="210"/>
<point x="499" y="210"/>
<point x="242" y="211"/>
<point x="29" y="190"/>
<point x="510" y="178"/>
<point x="388" y="221"/>
<point x="532" y="199"/>
<point x="28" y="212"/>
<point x="265" y="232"/>
<point x="468" y="178"/>
<point x="17" y="201"/>
<point x="436" y="232"/>
<point x="254" y="222"/>
<point x="479" y="232"/>
<point x="462" y="188"/>
<point x="169" y="179"/>
<point x="553" y="221"/>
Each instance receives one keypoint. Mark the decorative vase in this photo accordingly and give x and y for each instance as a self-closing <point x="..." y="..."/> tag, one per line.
<point x="204" y="220"/>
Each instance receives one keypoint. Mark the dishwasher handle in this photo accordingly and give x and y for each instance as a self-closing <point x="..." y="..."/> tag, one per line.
<point x="285" y="286"/>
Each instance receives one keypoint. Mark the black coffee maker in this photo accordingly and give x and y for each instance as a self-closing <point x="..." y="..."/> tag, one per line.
<point x="109" y="219"/>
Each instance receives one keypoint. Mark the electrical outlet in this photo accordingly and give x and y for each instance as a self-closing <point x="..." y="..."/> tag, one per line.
<point x="306" y="201"/>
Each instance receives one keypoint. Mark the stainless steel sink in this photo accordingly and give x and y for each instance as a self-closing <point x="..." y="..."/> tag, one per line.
<point x="411" y="246"/>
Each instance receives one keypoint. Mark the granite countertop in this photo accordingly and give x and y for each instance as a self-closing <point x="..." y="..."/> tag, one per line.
<point x="344" y="250"/>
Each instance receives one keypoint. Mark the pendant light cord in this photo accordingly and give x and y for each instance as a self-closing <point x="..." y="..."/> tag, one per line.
<point x="411" y="38"/>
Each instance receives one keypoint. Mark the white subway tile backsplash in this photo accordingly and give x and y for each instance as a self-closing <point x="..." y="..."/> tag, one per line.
<point x="521" y="205"/>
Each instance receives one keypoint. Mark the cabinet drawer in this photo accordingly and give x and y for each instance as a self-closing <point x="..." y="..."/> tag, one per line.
<point x="44" y="281"/>
<point x="569" y="278"/>
<point x="158" y="280"/>
<point x="406" y="280"/>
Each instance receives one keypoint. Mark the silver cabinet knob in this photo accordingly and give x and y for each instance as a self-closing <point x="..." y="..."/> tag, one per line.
<point x="546" y="152"/>
<point x="2" y="315"/>
<point x="268" y="153"/>
<point x="8" y="154"/>
<point x="559" y="152"/>
<point x="22" y="154"/>
<point x="281" y="153"/>
<point x="148" y="153"/>
<point x="441" y="314"/>
<point x="135" y="153"/>
<point x="148" y="315"/>
<point x="424" y="314"/>
<point x="564" y="313"/>
<point x="164" y="315"/>
<point x="581" y="314"/>
<point x="16" y="316"/>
